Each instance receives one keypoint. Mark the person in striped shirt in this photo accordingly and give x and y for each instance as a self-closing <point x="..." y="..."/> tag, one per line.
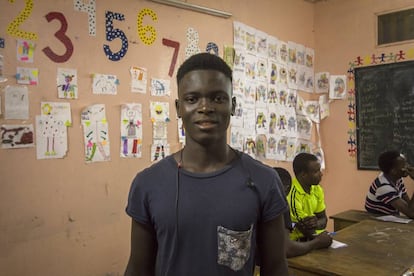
<point x="387" y="194"/>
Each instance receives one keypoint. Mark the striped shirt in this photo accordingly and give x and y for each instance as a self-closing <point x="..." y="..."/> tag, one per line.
<point x="381" y="193"/>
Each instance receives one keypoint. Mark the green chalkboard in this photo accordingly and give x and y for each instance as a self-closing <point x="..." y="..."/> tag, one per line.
<point x="384" y="111"/>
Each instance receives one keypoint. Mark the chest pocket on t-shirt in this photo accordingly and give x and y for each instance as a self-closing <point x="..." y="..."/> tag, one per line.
<point x="233" y="247"/>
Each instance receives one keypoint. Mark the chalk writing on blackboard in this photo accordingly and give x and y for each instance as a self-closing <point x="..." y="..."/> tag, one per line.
<point x="385" y="111"/>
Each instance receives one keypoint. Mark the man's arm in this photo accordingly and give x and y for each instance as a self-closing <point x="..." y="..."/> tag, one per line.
<point x="271" y="243"/>
<point x="405" y="207"/>
<point x="322" y="220"/>
<point x="143" y="250"/>
<point x="294" y="248"/>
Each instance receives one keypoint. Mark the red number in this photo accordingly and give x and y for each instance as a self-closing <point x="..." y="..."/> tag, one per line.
<point x="176" y="46"/>
<point x="61" y="36"/>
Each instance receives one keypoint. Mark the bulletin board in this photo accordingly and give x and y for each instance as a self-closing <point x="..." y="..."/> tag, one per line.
<point x="385" y="111"/>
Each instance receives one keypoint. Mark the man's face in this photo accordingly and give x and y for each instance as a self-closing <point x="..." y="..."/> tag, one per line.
<point x="400" y="167"/>
<point x="205" y="105"/>
<point x="313" y="176"/>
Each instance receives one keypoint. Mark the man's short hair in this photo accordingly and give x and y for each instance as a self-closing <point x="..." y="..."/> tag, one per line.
<point x="386" y="160"/>
<point x="301" y="162"/>
<point x="284" y="176"/>
<point x="204" y="61"/>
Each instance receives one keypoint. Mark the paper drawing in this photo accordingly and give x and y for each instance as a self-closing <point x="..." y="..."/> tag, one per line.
<point x="131" y="130"/>
<point x="60" y="109"/>
<point x="104" y="84"/>
<point x="95" y="133"/>
<point x="67" y="83"/>
<point x="337" y="86"/>
<point x="51" y="137"/>
<point x="16" y="106"/>
<point x="160" y="87"/>
<point x="160" y="111"/>
<point x="322" y="82"/>
<point x="159" y="150"/>
<point x="16" y="136"/>
<point x="28" y="76"/>
<point x="138" y="79"/>
<point x="25" y="50"/>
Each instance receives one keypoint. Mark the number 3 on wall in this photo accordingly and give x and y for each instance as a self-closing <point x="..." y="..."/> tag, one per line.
<point x="112" y="34"/>
<point x="61" y="35"/>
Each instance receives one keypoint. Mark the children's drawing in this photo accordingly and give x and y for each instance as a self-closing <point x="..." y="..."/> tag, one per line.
<point x="16" y="106"/>
<point x="323" y="106"/>
<point x="322" y="82"/>
<point x="312" y="110"/>
<point x="28" y="76"/>
<point x="304" y="126"/>
<point x="159" y="150"/>
<point x="261" y="144"/>
<point x="60" y="109"/>
<point x="51" y="137"/>
<point x="67" y="83"/>
<point x="160" y="87"/>
<point x="138" y="79"/>
<point x="95" y="133"/>
<point x="303" y="146"/>
<point x="181" y="131"/>
<point x="2" y="77"/>
<point x="104" y="84"/>
<point x="25" y="50"/>
<point x="236" y="138"/>
<point x="131" y="130"/>
<point x="337" y="86"/>
<point x="159" y="130"/>
<point x="160" y="111"/>
<point x="16" y="136"/>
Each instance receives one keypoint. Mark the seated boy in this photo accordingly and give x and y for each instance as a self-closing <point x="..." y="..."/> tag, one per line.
<point x="387" y="194"/>
<point x="294" y="248"/>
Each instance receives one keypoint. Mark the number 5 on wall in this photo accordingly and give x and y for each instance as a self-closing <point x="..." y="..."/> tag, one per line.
<point x="112" y="34"/>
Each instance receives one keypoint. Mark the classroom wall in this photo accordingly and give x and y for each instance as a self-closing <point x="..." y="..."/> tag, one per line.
<point x="65" y="217"/>
<point x="345" y="30"/>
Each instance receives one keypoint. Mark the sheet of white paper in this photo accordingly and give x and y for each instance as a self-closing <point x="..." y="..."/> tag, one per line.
<point x="337" y="244"/>
<point x="394" y="219"/>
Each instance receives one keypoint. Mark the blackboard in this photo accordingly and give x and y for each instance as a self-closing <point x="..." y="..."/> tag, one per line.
<point x="384" y="111"/>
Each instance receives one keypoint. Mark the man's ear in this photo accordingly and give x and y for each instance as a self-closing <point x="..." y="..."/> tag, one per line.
<point x="177" y="108"/>
<point x="233" y="105"/>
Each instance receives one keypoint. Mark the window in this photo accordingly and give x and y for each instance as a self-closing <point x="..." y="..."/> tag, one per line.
<point x="395" y="27"/>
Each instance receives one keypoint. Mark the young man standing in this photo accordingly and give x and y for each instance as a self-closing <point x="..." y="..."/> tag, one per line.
<point x="387" y="194"/>
<point x="204" y="209"/>
<point x="306" y="198"/>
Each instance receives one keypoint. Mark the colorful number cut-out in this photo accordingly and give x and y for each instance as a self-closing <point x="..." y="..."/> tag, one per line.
<point x="13" y="27"/>
<point x="176" y="46"/>
<point x="61" y="35"/>
<point x="90" y="8"/>
<point x="112" y="34"/>
<point x="192" y="47"/>
<point x="147" y="33"/>
<point x="211" y="46"/>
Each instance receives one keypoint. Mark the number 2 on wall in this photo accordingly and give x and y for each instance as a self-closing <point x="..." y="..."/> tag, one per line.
<point x="13" y="27"/>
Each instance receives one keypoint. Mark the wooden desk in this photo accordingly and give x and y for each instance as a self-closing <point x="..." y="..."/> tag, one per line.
<point x="374" y="248"/>
<point x="349" y="217"/>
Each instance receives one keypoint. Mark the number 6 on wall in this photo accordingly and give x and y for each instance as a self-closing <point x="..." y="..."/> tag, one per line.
<point x="112" y="34"/>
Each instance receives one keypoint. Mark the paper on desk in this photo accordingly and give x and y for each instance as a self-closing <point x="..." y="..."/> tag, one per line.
<point x="337" y="244"/>
<point x="394" y="219"/>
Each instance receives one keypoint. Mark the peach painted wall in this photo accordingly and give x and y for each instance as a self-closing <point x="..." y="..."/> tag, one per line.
<point x="64" y="217"/>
